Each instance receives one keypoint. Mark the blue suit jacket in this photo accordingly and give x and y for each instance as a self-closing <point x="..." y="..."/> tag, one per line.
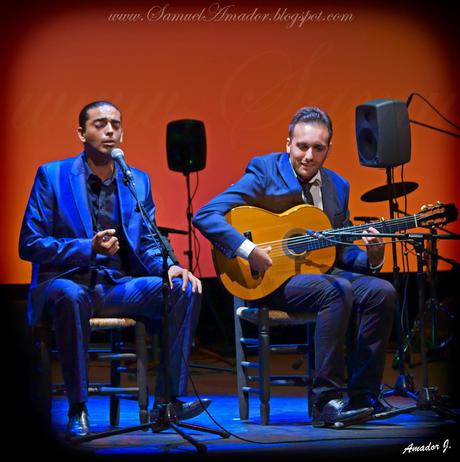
<point x="57" y="229"/>
<point x="269" y="182"/>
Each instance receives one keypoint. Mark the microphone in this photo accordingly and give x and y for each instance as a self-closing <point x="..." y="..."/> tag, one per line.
<point x="119" y="157"/>
<point x="314" y="234"/>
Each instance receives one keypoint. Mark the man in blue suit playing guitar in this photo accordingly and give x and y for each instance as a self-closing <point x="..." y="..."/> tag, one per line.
<point x="352" y="305"/>
<point x="93" y="255"/>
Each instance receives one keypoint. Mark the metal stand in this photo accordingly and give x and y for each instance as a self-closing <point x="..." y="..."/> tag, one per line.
<point x="167" y="415"/>
<point x="189" y="253"/>
<point x="428" y="398"/>
<point x="404" y="385"/>
<point x="435" y="305"/>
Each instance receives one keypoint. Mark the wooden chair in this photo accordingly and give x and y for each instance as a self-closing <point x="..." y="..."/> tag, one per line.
<point x="117" y="353"/>
<point x="265" y="318"/>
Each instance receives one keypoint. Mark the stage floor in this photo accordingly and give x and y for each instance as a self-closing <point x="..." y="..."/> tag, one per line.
<point x="289" y="434"/>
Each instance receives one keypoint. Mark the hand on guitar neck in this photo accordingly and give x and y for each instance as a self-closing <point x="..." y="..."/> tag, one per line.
<point x="259" y="259"/>
<point x="375" y="246"/>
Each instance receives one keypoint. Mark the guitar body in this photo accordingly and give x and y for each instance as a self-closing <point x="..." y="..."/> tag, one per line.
<point x="271" y="229"/>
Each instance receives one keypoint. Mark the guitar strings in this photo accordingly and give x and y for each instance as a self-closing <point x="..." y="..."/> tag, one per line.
<point x="281" y="253"/>
<point x="336" y="231"/>
<point x="325" y="238"/>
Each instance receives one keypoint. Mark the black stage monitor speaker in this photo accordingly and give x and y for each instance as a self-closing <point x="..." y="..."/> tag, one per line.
<point x="383" y="133"/>
<point x="186" y="145"/>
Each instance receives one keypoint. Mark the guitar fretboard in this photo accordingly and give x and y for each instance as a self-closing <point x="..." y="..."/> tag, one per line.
<point x="388" y="226"/>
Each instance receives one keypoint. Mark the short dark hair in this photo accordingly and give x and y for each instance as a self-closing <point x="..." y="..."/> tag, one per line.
<point x="311" y="115"/>
<point x="83" y="116"/>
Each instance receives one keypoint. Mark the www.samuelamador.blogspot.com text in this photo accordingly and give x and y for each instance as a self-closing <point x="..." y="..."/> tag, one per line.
<point x="230" y="13"/>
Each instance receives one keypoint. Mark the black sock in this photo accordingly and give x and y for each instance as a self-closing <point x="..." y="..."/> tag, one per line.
<point x="76" y="408"/>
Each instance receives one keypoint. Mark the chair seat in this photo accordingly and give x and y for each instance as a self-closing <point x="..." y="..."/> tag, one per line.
<point x="111" y="323"/>
<point x="276" y="317"/>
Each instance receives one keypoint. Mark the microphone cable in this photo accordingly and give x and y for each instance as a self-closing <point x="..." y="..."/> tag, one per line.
<point x="248" y="440"/>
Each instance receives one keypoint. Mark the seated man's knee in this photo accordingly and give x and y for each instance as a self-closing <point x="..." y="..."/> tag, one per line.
<point x="180" y="290"/>
<point x="62" y="291"/>
<point x="182" y="295"/>
<point x="387" y="293"/>
<point x="64" y="295"/>
<point x="340" y="288"/>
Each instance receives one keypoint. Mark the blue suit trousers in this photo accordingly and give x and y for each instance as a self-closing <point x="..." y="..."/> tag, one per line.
<point x="353" y="326"/>
<point x="71" y="303"/>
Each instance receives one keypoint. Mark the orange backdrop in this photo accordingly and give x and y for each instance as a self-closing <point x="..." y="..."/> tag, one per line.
<point x="243" y="77"/>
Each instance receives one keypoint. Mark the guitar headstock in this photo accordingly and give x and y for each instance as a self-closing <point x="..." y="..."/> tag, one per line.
<point x="437" y="214"/>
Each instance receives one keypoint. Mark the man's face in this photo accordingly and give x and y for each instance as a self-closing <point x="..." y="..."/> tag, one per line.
<point x="308" y="148"/>
<point x="102" y="131"/>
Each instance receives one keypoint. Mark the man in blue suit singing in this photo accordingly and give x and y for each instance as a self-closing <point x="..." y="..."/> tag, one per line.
<point x="347" y="299"/>
<point x="93" y="255"/>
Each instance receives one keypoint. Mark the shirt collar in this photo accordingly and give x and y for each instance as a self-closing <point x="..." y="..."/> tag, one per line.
<point x="89" y="175"/>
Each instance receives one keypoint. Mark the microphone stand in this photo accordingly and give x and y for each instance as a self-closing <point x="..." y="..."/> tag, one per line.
<point x="167" y="415"/>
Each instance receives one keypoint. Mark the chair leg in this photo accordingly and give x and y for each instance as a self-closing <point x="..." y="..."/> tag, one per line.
<point x="142" y="364"/>
<point x="264" y="365"/>
<point x="241" y="372"/>
<point x="41" y="338"/>
<point x="115" y="378"/>
<point x="310" y="363"/>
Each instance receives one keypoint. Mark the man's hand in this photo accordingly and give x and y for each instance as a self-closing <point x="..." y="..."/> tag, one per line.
<point x="176" y="272"/>
<point x="259" y="259"/>
<point x="376" y="250"/>
<point x="105" y="243"/>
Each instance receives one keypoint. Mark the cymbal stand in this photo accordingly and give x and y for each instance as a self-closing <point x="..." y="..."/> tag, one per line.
<point x="431" y="263"/>
<point x="428" y="398"/>
<point x="435" y="305"/>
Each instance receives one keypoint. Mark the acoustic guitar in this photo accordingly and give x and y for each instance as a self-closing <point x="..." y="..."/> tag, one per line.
<point x="302" y="242"/>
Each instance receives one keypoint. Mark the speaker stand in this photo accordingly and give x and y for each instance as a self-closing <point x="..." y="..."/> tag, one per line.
<point x="189" y="251"/>
<point x="189" y="254"/>
<point x="404" y="385"/>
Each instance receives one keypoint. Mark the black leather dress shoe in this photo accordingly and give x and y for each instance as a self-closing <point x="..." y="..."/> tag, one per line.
<point x="379" y="410"/>
<point x="334" y="414"/>
<point x="183" y="410"/>
<point x="78" y="424"/>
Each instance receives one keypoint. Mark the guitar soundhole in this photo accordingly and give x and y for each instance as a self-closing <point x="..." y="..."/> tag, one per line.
<point x="295" y="244"/>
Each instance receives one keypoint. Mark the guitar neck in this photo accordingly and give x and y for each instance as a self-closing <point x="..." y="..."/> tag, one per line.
<point x="387" y="226"/>
<point x="331" y="237"/>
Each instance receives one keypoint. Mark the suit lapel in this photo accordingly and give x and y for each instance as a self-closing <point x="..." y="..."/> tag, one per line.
<point x="288" y="175"/>
<point x="327" y="195"/>
<point x="80" y="195"/>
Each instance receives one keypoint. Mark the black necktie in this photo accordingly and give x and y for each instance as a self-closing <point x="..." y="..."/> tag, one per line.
<point x="306" y="193"/>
